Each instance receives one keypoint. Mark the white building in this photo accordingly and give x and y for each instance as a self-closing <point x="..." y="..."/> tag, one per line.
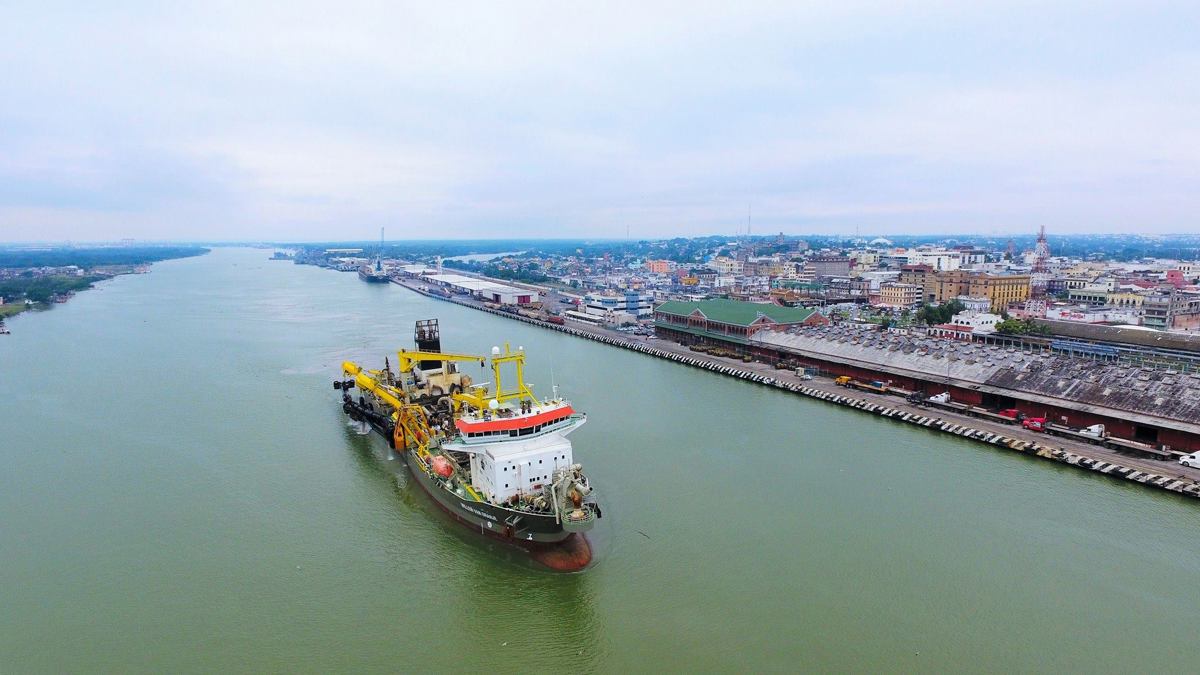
<point x="489" y="291"/>
<point x="940" y="260"/>
<point x="980" y="323"/>
<point x="978" y="305"/>
<point x="604" y="304"/>
<point x="726" y="266"/>
<point x="880" y="277"/>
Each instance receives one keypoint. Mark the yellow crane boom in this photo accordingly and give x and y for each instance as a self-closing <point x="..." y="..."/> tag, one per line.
<point x="412" y="430"/>
<point x="364" y="381"/>
<point x="412" y="424"/>
<point x="407" y="360"/>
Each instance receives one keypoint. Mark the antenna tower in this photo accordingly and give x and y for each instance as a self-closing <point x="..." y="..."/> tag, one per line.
<point x="1041" y="251"/>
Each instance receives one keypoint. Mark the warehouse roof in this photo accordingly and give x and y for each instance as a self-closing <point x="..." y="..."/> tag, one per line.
<point x="1164" y="397"/>
<point x="1134" y="335"/>
<point x="736" y="312"/>
<point x="475" y="285"/>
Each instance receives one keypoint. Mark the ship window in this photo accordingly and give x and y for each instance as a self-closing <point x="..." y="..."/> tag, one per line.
<point x="539" y="461"/>
<point x="506" y="485"/>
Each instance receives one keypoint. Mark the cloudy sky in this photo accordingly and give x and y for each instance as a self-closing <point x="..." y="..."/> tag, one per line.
<point x="327" y="121"/>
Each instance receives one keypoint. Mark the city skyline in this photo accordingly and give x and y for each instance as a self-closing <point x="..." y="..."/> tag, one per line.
<point x="240" y="124"/>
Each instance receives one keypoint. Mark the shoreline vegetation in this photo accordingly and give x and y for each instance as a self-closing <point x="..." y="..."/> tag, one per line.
<point x="38" y="278"/>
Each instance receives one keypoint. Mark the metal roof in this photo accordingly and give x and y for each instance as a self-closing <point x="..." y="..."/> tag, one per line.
<point x="736" y="312"/>
<point x="1160" y="397"/>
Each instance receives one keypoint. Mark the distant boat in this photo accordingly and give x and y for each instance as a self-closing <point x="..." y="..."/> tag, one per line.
<point x="374" y="275"/>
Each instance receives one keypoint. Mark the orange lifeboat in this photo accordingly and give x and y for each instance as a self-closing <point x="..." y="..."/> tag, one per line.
<point x="442" y="467"/>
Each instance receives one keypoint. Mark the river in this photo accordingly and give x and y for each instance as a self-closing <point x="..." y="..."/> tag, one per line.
<point x="180" y="492"/>
<point x="483" y="257"/>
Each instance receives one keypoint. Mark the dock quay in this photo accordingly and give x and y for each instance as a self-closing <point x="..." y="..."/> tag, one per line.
<point x="1172" y="477"/>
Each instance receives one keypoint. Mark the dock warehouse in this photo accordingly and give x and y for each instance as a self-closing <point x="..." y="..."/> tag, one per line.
<point x="1157" y="406"/>
<point x="1148" y="405"/>
<point x="483" y="289"/>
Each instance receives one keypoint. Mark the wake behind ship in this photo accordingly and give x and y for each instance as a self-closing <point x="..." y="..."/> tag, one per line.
<point x="496" y="457"/>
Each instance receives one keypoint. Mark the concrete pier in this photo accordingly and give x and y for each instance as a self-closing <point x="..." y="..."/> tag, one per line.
<point x="1151" y="473"/>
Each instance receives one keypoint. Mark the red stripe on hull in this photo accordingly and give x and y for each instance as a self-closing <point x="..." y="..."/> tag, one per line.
<point x="506" y="424"/>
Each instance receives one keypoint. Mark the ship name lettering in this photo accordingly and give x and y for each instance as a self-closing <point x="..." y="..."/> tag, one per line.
<point x="479" y="513"/>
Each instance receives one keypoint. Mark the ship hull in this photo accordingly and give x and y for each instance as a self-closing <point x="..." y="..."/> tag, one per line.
<point x="515" y="526"/>
<point x="372" y="277"/>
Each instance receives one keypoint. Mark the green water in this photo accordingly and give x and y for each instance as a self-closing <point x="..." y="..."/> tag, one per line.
<point x="179" y="492"/>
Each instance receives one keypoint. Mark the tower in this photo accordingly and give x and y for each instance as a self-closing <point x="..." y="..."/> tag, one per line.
<point x="1041" y="251"/>
<point x="379" y="258"/>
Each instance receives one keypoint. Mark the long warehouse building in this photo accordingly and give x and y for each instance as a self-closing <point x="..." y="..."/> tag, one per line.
<point x="1160" y="407"/>
<point x="1151" y="405"/>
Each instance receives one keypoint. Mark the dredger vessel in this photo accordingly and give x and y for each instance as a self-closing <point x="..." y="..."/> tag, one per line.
<point x="493" y="455"/>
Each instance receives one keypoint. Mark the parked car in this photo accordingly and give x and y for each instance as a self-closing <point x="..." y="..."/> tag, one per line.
<point x="1190" y="460"/>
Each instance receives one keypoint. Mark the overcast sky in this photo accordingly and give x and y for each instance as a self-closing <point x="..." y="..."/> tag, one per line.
<point x="327" y="121"/>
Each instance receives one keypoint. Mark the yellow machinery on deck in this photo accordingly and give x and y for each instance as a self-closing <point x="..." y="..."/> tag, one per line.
<point x="411" y="429"/>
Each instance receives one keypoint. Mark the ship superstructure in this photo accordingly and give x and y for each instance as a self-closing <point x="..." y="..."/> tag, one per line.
<point x="494" y="455"/>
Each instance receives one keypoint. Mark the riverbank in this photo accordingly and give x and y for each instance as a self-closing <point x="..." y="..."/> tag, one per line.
<point x="40" y="279"/>
<point x="1170" y="477"/>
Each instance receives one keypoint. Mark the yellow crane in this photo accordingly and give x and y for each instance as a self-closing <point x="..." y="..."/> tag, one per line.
<point x="407" y="360"/>
<point x="411" y="428"/>
<point x="519" y="391"/>
<point x="442" y="381"/>
<point x="476" y="396"/>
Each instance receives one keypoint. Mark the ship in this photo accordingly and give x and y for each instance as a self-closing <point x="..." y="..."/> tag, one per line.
<point x="495" y="456"/>
<point x="375" y="274"/>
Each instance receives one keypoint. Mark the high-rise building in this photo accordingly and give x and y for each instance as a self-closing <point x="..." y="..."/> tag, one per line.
<point x="922" y="276"/>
